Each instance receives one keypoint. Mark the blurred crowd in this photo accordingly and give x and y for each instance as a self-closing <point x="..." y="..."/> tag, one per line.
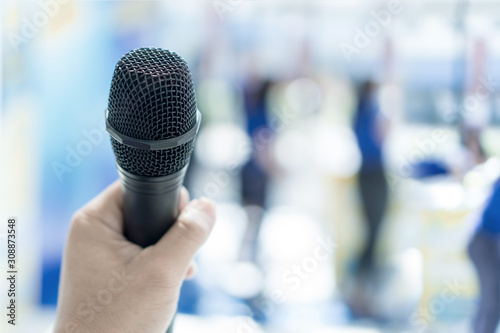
<point x="289" y="175"/>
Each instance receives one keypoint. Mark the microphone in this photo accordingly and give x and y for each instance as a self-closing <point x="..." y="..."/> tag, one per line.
<point x="153" y="121"/>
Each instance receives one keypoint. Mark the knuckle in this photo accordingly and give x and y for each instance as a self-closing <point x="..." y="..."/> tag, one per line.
<point x="155" y="274"/>
<point x="193" y="229"/>
<point x="80" y="225"/>
<point x="159" y="275"/>
<point x="206" y="206"/>
<point x="79" y="219"/>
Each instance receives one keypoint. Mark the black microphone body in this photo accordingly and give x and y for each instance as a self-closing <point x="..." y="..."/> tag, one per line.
<point x="151" y="205"/>
<point x="153" y="121"/>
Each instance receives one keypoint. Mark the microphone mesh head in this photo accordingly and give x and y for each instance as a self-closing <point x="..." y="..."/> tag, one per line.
<point x="152" y="98"/>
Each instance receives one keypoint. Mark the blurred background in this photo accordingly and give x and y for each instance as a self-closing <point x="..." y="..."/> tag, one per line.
<point x="351" y="147"/>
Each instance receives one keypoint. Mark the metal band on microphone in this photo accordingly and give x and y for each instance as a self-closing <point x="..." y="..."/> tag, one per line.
<point x="154" y="144"/>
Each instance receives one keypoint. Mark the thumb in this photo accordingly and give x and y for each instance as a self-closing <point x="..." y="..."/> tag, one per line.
<point x="180" y="244"/>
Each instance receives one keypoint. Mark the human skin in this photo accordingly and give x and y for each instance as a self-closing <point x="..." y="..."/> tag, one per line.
<point x="109" y="284"/>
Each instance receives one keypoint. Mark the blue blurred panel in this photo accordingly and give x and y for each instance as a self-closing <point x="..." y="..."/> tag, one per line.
<point x="72" y="71"/>
<point x="50" y="273"/>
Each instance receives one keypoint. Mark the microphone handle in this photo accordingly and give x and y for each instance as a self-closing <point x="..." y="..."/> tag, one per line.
<point x="151" y="206"/>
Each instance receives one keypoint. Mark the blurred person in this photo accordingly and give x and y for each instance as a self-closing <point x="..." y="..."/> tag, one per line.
<point x="112" y="285"/>
<point x="474" y="120"/>
<point x="369" y="128"/>
<point x="471" y="151"/>
<point x="484" y="251"/>
<point x="470" y="137"/>
<point x="254" y="176"/>
<point x="373" y="186"/>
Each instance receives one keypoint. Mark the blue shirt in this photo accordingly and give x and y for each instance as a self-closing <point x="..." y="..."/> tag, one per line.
<point x="255" y="111"/>
<point x="365" y="128"/>
<point x="490" y="220"/>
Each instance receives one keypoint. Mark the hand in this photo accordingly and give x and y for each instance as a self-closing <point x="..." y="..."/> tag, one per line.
<point x="112" y="285"/>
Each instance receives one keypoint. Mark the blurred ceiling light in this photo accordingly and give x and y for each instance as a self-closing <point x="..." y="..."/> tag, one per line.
<point x="291" y="150"/>
<point x="445" y="195"/>
<point x="390" y="99"/>
<point x="474" y="179"/>
<point x="303" y="96"/>
<point x="480" y="26"/>
<point x="217" y="99"/>
<point x="289" y="242"/>
<point x="222" y="146"/>
<point x="288" y="233"/>
<point x="223" y="244"/>
<point x="432" y="38"/>
<point x="446" y="105"/>
<point x="336" y="150"/>
<point x="412" y="266"/>
<point x="296" y="25"/>
<point x="406" y="281"/>
<point x="492" y="168"/>
<point x="494" y="43"/>
<point x="245" y="280"/>
<point x="477" y="112"/>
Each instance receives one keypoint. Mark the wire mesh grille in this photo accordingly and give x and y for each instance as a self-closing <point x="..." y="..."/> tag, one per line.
<point x="152" y="98"/>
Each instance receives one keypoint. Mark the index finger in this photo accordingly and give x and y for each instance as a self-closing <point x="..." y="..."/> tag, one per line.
<point x="107" y="207"/>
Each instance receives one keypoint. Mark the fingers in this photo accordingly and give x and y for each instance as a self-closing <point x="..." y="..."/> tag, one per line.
<point x="192" y="270"/>
<point x="184" y="198"/>
<point x="179" y="245"/>
<point x="107" y="207"/>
